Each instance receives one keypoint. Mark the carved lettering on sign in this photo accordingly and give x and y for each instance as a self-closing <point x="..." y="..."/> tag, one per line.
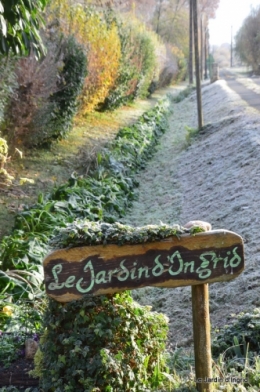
<point x="72" y="273"/>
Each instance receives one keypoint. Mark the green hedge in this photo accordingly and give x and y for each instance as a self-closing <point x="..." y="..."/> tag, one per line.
<point x="137" y="65"/>
<point x="103" y="196"/>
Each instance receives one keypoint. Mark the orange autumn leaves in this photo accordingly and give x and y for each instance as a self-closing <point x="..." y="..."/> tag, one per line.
<point x="101" y="43"/>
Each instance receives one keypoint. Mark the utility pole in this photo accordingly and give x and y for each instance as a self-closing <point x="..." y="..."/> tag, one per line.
<point x="191" y="45"/>
<point x="206" y="49"/>
<point x="201" y="45"/>
<point x="197" y="63"/>
<point x="231" y="48"/>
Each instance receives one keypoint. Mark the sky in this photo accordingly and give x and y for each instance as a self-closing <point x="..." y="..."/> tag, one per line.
<point x="229" y="16"/>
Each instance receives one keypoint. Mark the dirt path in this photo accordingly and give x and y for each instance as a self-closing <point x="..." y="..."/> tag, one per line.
<point x="247" y="88"/>
<point x="217" y="179"/>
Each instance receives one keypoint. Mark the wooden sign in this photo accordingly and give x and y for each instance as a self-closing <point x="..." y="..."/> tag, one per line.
<point x="208" y="257"/>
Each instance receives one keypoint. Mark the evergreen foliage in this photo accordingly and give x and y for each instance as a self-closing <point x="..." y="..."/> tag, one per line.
<point x="138" y="63"/>
<point x="104" y="343"/>
<point x="234" y="338"/>
<point x="8" y="82"/>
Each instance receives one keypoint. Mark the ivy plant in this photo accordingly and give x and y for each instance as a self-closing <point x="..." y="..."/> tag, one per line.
<point x="104" y="343"/>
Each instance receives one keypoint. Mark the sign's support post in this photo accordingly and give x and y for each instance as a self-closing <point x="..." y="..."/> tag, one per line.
<point x="201" y="333"/>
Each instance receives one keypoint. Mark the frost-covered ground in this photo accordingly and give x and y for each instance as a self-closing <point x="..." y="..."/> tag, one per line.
<point x="216" y="178"/>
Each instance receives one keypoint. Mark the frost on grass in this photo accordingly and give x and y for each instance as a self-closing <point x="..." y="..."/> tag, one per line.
<point x="215" y="179"/>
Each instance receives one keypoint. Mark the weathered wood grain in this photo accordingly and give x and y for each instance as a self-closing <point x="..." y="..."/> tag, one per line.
<point x="105" y="269"/>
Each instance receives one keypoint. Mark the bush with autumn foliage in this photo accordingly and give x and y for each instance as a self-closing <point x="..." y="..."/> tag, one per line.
<point x="96" y="60"/>
<point x="101" y="43"/>
<point x="139" y="65"/>
<point x="121" y="54"/>
<point x="43" y="105"/>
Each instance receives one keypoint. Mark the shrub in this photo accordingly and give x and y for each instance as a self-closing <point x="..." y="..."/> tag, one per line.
<point x="4" y="176"/>
<point x="104" y="56"/>
<point x="104" y="343"/>
<point x="36" y="80"/>
<point x="182" y="64"/>
<point x="234" y="338"/>
<point x="8" y="82"/>
<point x="63" y="103"/>
<point x="43" y="105"/>
<point x="137" y="63"/>
<point x="101" y="42"/>
<point x="125" y="83"/>
<point x="148" y="64"/>
<point x="18" y="322"/>
<point x="168" y="67"/>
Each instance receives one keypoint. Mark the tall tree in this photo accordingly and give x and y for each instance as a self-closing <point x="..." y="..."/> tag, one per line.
<point x="171" y="22"/>
<point x="209" y="7"/>
<point x="20" y="22"/>
<point x="247" y="41"/>
<point x="158" y="15"/>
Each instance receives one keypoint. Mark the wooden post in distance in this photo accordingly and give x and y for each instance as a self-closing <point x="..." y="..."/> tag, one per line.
<point x="197" y="64"/>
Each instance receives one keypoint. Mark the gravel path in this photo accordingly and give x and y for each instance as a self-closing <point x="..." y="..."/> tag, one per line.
<point x="213" y="177"/>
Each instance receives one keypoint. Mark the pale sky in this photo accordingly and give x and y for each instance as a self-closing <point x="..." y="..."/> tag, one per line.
<point x="230" y="13"/>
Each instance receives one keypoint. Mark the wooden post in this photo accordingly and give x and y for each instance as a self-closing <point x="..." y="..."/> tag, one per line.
<point x="201" y="45"/>
<point x="191" y="45"/>
<point x="201" y="333"/>
<point x="206" y="49"/>
<point x="197" y="64"/>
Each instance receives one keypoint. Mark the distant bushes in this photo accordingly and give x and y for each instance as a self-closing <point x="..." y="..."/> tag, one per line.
<point x="8" y="82"/>
<point x="63" y="103"/>
<point x="121" y="55"/>
<point x="138" y="64"/>
<point x="36" y="80"/>
<point x="101" y="43"/>
<point x="95" y="61"/>
<point x="42" y="107"/>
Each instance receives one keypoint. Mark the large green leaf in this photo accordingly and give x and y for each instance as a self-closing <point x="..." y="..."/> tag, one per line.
<point x="20" y="22"/>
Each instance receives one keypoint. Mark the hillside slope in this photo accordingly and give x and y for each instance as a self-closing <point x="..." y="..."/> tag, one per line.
<point x="213" y="177"/>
